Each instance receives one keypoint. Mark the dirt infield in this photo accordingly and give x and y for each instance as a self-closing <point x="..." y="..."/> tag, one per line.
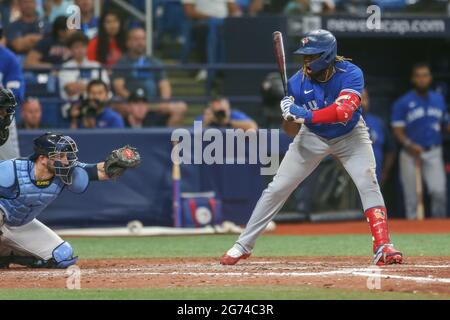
<point x="361" y="227"/>
<point x="417" y="275"/>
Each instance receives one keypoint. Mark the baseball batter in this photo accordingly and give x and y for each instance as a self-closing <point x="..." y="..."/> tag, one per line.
<point x="325" y="96"/>
<point x="29" y="185"/>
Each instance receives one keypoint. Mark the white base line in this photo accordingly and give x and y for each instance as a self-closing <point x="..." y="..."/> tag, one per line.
<point x="132" y="272"/>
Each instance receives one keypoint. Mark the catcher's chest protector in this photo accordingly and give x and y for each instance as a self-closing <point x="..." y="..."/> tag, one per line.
<point x="29" y="200"/>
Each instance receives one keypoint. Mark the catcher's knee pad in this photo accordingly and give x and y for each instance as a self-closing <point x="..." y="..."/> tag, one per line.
<point x="63" y="256"/>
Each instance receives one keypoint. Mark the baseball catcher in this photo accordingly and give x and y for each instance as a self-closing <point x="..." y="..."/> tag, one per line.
<point x="29" y="185"/>
<point x="324" y="96"/>
<point x="7" y="110"/>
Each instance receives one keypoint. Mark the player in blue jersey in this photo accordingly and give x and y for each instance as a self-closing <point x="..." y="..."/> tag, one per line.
<point x="325" y="97"/>
<point x="29" y="185"/>
<point x="419" y="118"/>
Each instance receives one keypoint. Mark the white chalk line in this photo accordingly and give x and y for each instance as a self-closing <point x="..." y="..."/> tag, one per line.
<point x="133" y="272"/>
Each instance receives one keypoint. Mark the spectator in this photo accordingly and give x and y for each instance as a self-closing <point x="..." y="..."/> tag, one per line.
<point x="417" y="120"/>
<point x="52" y="49"/>
<point x="207" y="17"/>
<point x="219" y="114"/>
<point x="108" y="46"/>
<point x="89" y="22"/>
<point x="23" y="34"/>
<point x="73" y="83"/>
<point x="310" y="6"/>
<point x="57" y="8"/>
<point x="250" y="7"/>
<point x="31" y="113"/>
<point x="139" y="115"/>
<point x="382" y="142"/>
<point x="154" y="83"/>
<point x="94" y="112"/>
<point x="11" y="78"/>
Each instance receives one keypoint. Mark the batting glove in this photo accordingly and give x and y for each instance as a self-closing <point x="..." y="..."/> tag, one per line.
<point x="285" y="104"/>
<point x="300" y="113"/>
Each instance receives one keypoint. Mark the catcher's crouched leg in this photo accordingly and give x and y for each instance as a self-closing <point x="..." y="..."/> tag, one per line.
<point x="62" y="257"/>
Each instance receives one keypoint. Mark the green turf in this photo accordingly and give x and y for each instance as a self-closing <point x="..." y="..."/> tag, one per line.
<point x="215" y="245"/>
<point x="209" y="293"/>
<point x="270" y="245"/>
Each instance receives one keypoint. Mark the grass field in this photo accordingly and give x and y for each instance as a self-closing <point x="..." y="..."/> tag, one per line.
<point x="213" y="246"/>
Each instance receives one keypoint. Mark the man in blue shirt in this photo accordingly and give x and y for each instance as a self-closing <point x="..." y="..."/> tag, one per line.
<point x="11" y="77"/>
<point x="132" y="73"/>
<point x="219" y="114"/>
<point x="24" y="33"/>
<point x="324" y="96"/>
<point x="89" y="22"/>
<point x="418" y="119"/>
<point x="382" y="141"/>
<point x="95" y="112"/>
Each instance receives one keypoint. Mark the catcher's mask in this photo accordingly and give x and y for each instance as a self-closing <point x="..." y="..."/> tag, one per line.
<point x="65" y="158"/>
<point x="61" y="149"/>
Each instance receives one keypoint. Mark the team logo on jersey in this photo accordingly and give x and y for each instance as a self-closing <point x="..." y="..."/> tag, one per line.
<point x="379" y="214"/>
<point x="43" y="183"/>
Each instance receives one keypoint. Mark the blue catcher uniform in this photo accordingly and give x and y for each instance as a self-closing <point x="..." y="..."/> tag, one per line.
<point x="25" y="240"/>
<point x="314" y="95"/>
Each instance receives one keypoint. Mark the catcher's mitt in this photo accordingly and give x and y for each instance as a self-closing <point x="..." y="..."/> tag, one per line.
<point x="121" y="159"/>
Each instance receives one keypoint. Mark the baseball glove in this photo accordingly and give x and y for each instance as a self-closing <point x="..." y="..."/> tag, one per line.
<point x="120" y="160"/>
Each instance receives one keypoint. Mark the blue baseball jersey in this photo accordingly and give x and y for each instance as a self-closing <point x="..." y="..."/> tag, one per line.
<point x="11" y="76"/>
<point x="314" y="95"/>
<point x="381" y="140"/>
<point x="421" y="116"/>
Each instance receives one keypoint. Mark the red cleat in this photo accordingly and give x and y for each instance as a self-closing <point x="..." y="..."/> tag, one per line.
<point x="232" y="256"/>
<point x="387" y="254"/>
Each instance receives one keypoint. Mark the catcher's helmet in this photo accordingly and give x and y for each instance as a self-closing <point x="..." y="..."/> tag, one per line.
<point x="319" y="41"/>
<point x="60" y="148"/>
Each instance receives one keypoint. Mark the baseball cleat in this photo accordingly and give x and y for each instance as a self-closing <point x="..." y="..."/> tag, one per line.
<point x="387" y="254"/>
<point x="232" y="256"/>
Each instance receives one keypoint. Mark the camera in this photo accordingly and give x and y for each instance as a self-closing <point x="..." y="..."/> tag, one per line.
<point x="90" y="108"/>
<point x="220" y="115"/>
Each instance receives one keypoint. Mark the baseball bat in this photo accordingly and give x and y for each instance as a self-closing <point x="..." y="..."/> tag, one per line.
<point x="176" y="191"/>
<point x="280" y="58"/>
<point x="420" y="210"/>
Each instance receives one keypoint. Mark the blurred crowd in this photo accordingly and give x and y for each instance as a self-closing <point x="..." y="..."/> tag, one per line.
<point x="102" y="77"/>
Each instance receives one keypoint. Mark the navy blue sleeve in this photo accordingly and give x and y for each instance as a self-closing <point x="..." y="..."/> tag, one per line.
<point x="13" y="78"/>
<point x="117" y="121"/>
<point x="237" y="115"/>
